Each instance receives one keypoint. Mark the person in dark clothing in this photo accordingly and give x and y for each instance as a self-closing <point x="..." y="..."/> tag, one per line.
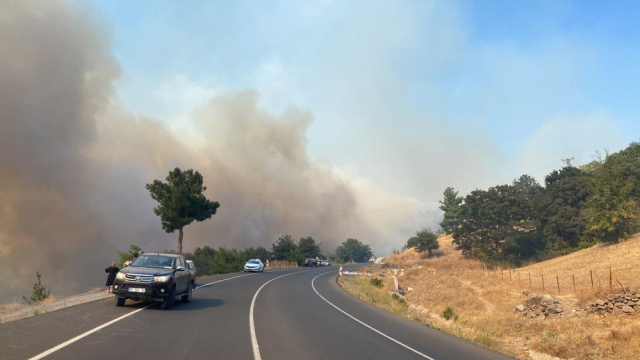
<point x="111" y="271"/>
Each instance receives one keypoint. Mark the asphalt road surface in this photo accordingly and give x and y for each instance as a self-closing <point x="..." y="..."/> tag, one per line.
<point x="282" y="314"/>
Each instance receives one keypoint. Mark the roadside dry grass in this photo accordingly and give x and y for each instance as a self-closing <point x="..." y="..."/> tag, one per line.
<point x="16" y="311"/>
<point x="484" y="300"/>
<point x="361" y="286"/>
<point x="282" y="264"/>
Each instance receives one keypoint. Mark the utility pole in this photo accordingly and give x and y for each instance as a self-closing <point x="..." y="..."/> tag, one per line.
<point x="567" y="161"/>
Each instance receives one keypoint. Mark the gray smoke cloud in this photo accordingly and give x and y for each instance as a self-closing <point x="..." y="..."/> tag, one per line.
<point x="74" y="163"/>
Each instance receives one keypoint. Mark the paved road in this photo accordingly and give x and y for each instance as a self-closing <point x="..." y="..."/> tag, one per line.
<point x="282" y="314"/>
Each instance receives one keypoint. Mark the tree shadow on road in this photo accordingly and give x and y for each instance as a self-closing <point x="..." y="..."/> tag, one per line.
<point x="195" y="304"/>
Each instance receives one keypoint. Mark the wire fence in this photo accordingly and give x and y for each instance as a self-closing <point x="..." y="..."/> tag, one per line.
<point x="596" y="280"/>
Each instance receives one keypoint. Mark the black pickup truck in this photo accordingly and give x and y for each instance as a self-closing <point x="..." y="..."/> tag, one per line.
<point x="155" y="277"/>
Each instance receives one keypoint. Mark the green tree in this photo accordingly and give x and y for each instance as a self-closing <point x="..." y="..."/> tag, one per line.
<point x="309" y="248"/>
<point x="611" y="212"/>
<point x="412" y="242"/>
<point x="127" y="255"/>
<point x="353" y="250"/>
<point x="598" y="202"/>
<point x="450" y="205"/>
<point x="427" y="240"/>
<point x="527" y="188"/>
<point x="257" y="253"/>
<point x="498" y="225"/>
<point x="40" y="293"/>
<point x="331" y="255"/>
<point x="285" y="249"/>
<point x="560" y="206"/>
<point x="181" y="201"/>
<point x="203" y="259"/>
<point x="626" y="164"/>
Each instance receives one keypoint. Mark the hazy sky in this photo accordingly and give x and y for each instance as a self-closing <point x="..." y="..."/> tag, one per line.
<point x="390" y="83"/>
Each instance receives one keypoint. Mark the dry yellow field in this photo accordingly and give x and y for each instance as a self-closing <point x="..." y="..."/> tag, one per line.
<point x="281" y="264"/>
<point x="484" y="300"/>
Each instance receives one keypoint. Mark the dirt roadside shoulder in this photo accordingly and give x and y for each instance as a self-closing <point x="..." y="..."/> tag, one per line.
<point x="13" y="312"/>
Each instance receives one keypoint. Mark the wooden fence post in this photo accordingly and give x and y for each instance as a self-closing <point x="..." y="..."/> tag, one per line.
<point x="510" y="275"/>
<point x="574" y="283"/>
<point x="610" y="280"/>
<point x="542" y="281"/>
<point x="530" y="280"/>
<point x="558" y="281"/>
<point x="591" y="273"/>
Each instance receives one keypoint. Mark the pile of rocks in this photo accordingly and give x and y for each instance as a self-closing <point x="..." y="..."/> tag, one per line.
<point x="624" y="303"/>
<point x="536" y="306"/>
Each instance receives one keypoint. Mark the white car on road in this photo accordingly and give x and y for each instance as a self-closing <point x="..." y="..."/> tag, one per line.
<point x="254" y="265"/>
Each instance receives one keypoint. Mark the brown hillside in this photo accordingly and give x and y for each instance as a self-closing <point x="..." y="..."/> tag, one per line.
<point x="484" y="300"/>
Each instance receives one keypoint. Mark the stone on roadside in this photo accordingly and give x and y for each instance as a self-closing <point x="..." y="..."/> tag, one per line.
<point x="627" y="309"/>
<point x="616" y="311"/>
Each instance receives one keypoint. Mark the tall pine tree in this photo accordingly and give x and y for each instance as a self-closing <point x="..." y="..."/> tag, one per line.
<point x="451" y="207"/>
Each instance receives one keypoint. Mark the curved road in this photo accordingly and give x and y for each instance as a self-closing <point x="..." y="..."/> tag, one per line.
<point x="281" y="314"/>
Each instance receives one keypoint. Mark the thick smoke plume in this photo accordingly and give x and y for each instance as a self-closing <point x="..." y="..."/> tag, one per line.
<point x="74" y="164"/>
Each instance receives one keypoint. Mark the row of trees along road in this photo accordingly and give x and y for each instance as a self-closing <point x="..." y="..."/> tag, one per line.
<point x="224" y="260"/>
<point x="181" y="201"/>
<point x="575" y="208"/>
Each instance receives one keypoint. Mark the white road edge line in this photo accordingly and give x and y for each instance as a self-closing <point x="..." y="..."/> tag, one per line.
<point x="83" y="335"/>
<point x="69" y="342"/>
<point x="252" y="328"/>
<point x="365" y="325"/>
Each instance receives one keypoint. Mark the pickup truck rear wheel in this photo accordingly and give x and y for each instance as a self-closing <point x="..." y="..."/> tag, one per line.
<point x="120" y="301"/>
<point x="187" y="297"/>
<point x="168" y="302"/>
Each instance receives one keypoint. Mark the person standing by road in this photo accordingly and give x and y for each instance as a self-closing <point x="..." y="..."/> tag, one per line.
<point x="111" y="271"/>
<point x="128" y="262"/>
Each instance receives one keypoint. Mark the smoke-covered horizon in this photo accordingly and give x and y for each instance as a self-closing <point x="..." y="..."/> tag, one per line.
<point x="74" y="163"/>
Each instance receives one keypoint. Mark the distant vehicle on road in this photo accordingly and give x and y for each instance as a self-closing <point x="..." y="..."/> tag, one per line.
<point x="310" y="262"/>
<point x="155" y="277"/>
<point x="254" y="265"/>
<point x="325" y="263"/>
